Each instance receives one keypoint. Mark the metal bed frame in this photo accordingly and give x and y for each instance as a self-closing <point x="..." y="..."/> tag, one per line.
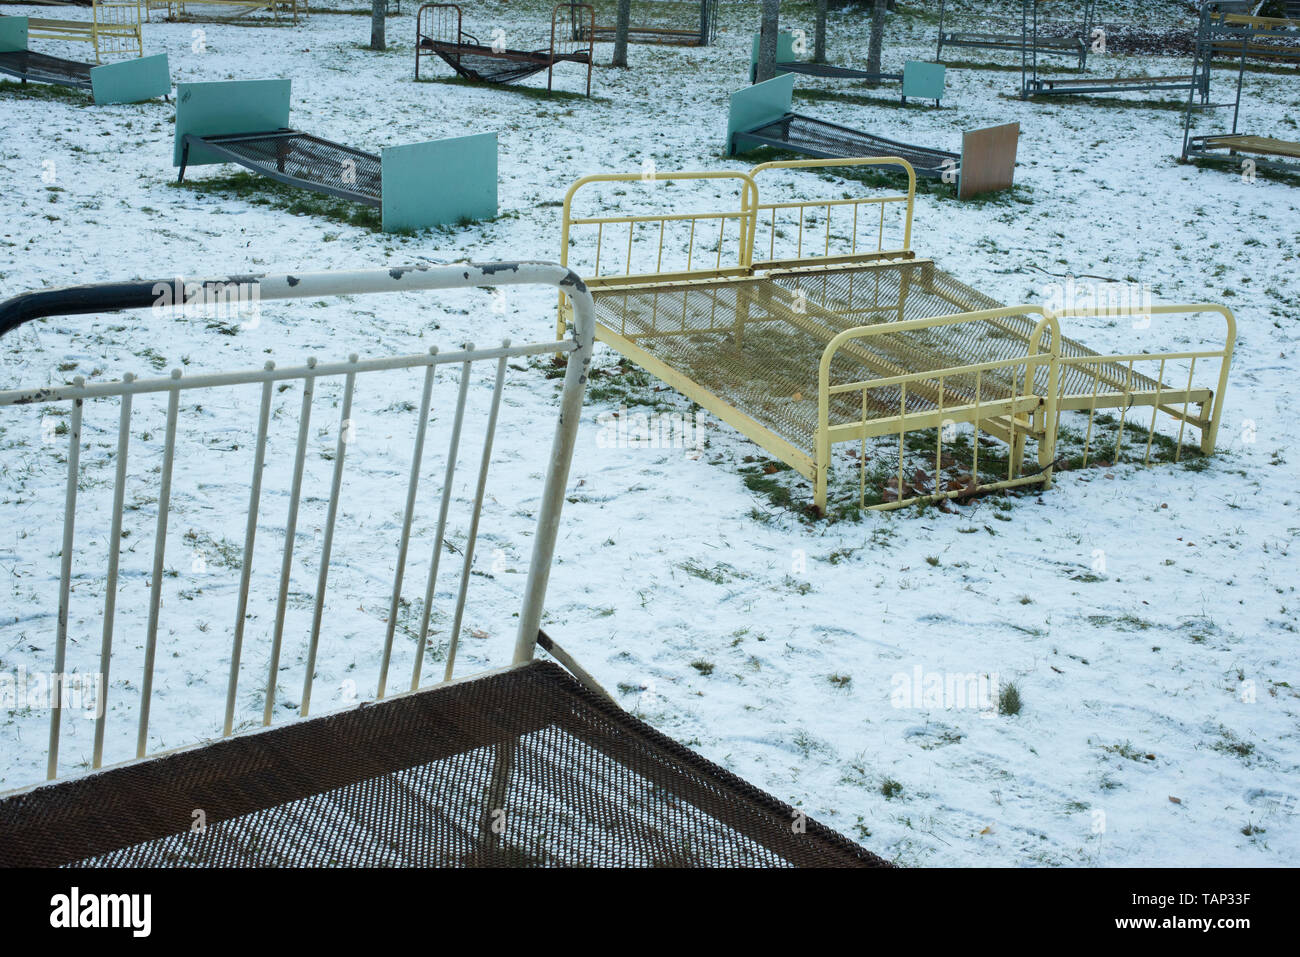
<point x="761" y="115"/>
<point x="522" y="765"/>
<point x="238" y="9"/>
<point x="1009" y="41"/>
<point x="664" y="35"/>
<point x="130" y="80"/>
<point x="1032" y="85"/>
<point x="1250" y="38"/>
<point x="439" y="32"/>
<point x="113" y="28"/>
<point x="823" y="331"/>
<point x="417" y="185"/>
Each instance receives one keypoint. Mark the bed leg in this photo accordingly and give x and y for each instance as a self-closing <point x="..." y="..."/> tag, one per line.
<point x="185" y="159"/>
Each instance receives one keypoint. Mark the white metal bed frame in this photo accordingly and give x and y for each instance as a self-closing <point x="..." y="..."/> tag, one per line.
<point x="102" y="298"/>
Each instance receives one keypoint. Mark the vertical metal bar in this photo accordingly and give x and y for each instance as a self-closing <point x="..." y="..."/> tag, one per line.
<point x="497" y="389"/>
<point x="331" y="518"/>
<point x="938" y="447"/>
<point x="250" y="535"/>
<point x="408" y="515"/>
<point x="1155" y="408"/>
<point x="827" y="250"/>
<point x="159" y="548"/>
<point x="434" y="560"/>
<point x="114" y="556"/>
<point x="862" y="456"/>
<point x="902" y="428"/>
<point x="659" y="263"/>
<point x="975" y="463"/>
<point x="1182" y="424"/>
<point x="722" y="235"/>
<point x="1092" y="415"/>
<point x="690" y="247"/>
<point x="799" y="252"/>
<point x="631" y="228"/>
<point x="290" y="530"/>
<point x="1123" y="412"/>
<point x="600" y="241"/>
<point x="65" y="581"/>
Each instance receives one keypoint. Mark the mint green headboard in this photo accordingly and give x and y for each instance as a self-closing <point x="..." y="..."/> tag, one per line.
<point x="784" y="53"/>
<point x="758" y="104"/>
<point x="131" y="81"/>
<point x="923" y="80"/>
<point x="440" y="182"/>
<point x="13" y="34"/>
<point x="228" y="106"/>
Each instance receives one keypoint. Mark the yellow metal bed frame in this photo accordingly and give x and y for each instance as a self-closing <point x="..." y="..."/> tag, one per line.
<point x="806" y="323"/>
<point x="113" y="29"/>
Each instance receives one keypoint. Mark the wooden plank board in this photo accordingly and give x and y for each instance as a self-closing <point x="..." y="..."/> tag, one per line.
<point x="1255" y="144"/>
<point x="988" y="159"/>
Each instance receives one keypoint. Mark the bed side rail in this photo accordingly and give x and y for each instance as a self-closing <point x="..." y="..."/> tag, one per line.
<point x="835" y="228"/>
<point x="251" y="454"/>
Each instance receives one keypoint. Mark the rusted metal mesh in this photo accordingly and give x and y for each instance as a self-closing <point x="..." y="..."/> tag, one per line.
<point x="803" y="134"/>
<point x="484" y="65"/>
<point x="310" y="161"/>
<point x="46" y="69"/>
<point x="757" y="343"/>
<point x="520" y="768"/>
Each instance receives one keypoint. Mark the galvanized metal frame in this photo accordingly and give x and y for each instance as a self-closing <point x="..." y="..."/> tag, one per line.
<point x="1032" y="85"/>
<point x="1010" y="41"/>
<point x="1032" y="412"/>
<point x="1222" y="32"/>
<point x="669" y="36"/>
<point x="95" y="299"/>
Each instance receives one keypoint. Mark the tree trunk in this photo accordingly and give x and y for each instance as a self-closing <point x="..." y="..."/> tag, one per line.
<point x="819" y="36"/>
<point x="767" y="40"/>
<point x="877" y="36"/>
<point x="378" y="11"/>
<point x="623" y="24"/>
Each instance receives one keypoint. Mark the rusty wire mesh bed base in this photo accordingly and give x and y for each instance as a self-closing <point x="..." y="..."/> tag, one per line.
<point x="416" y="781"/>
<point x="40" y="68"/>
<point x="766" y="363"/>
<point x="482" y="64"/>
<point x="817" y="138"/>
<point x="299" y="159"/>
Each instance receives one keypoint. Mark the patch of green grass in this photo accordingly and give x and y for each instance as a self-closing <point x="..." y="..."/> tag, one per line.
<point x="260" y="191"/>
<point x="1009" y="701"/>
<point x="531" y="92"/>
<point x="840" y="681"/>
<point x="703" y="667"/>
<point x="719" y="574"/>
<point x="44" y="91"/>
<point x="890" y="789"/>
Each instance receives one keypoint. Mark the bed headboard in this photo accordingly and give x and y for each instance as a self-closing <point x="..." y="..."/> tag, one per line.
<point x="229" y="106"/>
<point x="573" y="29"/>
<point x="756" y="105"/>
<point x="793" y="229"/>
<point x="13" y="34"/>
<point x="631" y="228"/>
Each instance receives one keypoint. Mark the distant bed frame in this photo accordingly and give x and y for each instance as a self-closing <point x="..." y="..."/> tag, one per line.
<point x="127" y="81"/>
<point x="439" y="31"/>
<point x="415" y="186"/>
<point x="920" y="80"/>
<point x="761" y="115"/>
<point x="806" y="323"/>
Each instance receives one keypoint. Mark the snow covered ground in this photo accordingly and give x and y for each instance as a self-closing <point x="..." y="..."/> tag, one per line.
<point x="1146" y="616"/>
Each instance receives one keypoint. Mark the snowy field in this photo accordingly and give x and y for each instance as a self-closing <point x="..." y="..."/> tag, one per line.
<point x="1147" y="617"/>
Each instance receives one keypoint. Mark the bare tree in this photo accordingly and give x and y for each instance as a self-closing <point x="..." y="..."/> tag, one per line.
<point x="378" y="11"/>
<point x="877" y="35"/>
<point x="622" y="25"/>
<point x="767" y="40"/>
<point x="819" y="35"/>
